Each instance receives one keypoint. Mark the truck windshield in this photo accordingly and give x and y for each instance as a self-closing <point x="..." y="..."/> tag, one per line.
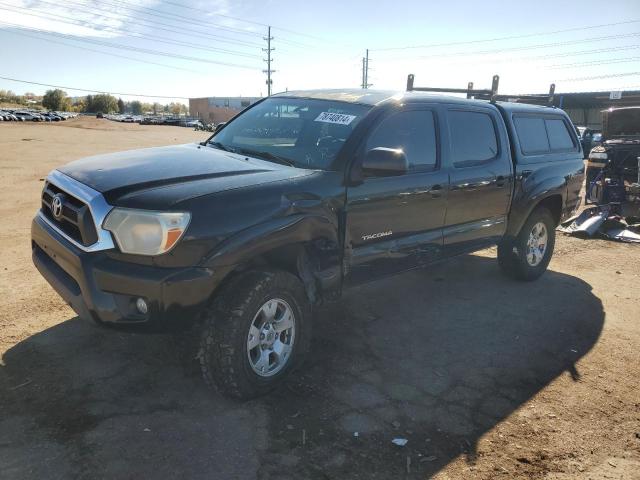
<point x="306" y="133"/>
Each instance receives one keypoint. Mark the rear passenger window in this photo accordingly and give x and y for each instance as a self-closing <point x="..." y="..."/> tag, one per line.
<point x="559" y="137"/>
<point x="532" y="134"/>
<point x="473" y="138"/>
<point x="540" y="135"/>
<point x="414" y="132"/>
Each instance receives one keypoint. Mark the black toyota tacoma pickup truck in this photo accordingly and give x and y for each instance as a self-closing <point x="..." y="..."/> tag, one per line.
<point x="298" y="197"/>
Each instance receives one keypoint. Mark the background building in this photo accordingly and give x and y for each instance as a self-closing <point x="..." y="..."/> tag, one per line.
<point x="585" y="108"/>
<point x="218" y="109"/>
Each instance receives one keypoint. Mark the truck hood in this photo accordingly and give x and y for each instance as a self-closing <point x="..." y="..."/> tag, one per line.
<point x="174" y="173"/>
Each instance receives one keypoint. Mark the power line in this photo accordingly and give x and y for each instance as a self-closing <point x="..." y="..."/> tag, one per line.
<point x="150" y="24"/>
<point x="155" y="38"/>
<point x="599" y="77"/>
<point x="517" y="49"/>
<point x="511" y="37"/>
<point x="595" y="62"/>
<point x="101" y="52"/>
<point x="567" y="54"/>
<point x="157" y="13"/>
<point x="93" y="91"/>
<point x="165" y="15"/>
<point x="546" y="56"/>
<point x="188" y="7"/>
<point x="120" y="46"/>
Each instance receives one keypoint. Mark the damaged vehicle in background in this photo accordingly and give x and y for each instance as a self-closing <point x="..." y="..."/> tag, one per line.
<point x="298" y="197"/>
<point x="613" y="181"/>
<point x="613" y="166"/>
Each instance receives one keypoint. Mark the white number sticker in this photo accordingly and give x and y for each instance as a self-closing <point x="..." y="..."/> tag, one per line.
<point x="339" y="118"/>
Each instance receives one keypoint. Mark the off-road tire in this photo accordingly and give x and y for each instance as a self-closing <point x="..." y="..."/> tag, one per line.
<point x="512" y="256"/>
<point x="223" y="355"/>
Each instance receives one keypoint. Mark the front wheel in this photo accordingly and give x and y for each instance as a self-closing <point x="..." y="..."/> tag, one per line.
<point x="527" y="256"/>
<point x="255" y="333"/>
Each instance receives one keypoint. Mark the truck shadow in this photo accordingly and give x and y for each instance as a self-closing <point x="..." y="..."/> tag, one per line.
<point x="437" y="357"/>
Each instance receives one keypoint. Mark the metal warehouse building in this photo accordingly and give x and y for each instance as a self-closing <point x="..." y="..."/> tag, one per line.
<point x="218" y="109"/>
<point x="585" y="108"/>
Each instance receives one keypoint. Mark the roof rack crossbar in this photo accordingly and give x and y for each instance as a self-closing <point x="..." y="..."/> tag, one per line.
<point x="471" y="93"/>
<point x="452" y="90"/>
<point x="483" y="94"/>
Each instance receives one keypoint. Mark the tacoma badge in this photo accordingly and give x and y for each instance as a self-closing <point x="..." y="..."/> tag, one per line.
<point x="371" y="236"/>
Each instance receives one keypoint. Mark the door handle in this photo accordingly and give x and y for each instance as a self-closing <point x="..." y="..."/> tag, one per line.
<point x="435" y="191"/>
<point x="500" y="181"/>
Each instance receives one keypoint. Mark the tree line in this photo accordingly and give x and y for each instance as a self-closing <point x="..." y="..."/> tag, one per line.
<point x="58" y="100"/>
<point x="12" y="98"/>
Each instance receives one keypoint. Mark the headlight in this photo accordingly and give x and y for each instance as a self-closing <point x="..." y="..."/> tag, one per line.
<point x="145" y="232"/>
<point x="598" y="156"/>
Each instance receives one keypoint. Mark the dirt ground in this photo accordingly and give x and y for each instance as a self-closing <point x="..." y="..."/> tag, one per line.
<point x="485" y="377"/>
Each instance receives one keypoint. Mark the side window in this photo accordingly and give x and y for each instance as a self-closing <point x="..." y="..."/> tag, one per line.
<point x="532" y="134"/>
<point x="559" y="137"/>
<point x="414" y="132"/>
<point x="473" y="138"/>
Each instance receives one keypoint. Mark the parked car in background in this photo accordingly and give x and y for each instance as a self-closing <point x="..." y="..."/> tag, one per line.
<point x="596" y="139"/>
<point x="11" y="116"/>
<point x="150" y="121"/>
<point x="52" y="116"/>
<point x="175" y="121"/>
<point x="27" y="116"/>
<point x="586" y="139"/>
<point x="193" y="123"/>
<point x="23" y="115"/>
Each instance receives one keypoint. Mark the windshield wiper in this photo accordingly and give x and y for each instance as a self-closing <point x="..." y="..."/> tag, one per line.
<point x="221" y="146"/>
<point x="267" y="156"/>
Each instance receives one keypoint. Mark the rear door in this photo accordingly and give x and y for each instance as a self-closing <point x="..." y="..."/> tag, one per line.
<point x="395" y="223"/>
<point x="480" y="178"/>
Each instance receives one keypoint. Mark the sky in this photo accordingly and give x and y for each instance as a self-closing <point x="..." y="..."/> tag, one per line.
<point x="180" y="48"/>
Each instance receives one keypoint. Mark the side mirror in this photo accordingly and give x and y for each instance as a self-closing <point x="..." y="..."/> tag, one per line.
<point x="385" y="162"/>
<point x="219" y="127"/>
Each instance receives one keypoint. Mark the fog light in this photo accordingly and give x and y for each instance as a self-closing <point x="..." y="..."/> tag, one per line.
<point x="141" y="305"/>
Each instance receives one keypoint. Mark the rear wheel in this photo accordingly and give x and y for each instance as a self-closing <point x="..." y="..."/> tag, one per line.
<point x="255" y="333"/>
<point x="527" y="256"/>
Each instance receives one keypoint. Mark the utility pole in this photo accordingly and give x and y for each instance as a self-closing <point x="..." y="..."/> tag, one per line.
<point x="365" y="71"/>
<point x="268" y="50"/>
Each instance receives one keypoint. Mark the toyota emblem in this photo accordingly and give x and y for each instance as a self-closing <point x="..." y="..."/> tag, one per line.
<point x="56" y="206"/>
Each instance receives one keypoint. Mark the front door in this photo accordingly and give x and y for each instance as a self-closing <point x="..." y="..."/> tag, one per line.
<point x="395" y="223"/>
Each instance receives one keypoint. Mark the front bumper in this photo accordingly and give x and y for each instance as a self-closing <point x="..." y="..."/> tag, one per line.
<point x="104" y="289"/>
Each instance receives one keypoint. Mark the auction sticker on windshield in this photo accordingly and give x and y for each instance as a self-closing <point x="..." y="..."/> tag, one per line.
<point x="339" y="118"/>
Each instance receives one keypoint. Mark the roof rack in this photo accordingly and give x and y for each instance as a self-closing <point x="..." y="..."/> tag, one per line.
<point x="487" y="94"/>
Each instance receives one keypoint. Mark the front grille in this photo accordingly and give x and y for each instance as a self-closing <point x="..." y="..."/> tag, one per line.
<point x="75" y="219"/>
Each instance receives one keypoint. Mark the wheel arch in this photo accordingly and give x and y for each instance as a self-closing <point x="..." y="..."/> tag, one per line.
<point x="304" y="245"/>
<point x="551" y="200"/>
